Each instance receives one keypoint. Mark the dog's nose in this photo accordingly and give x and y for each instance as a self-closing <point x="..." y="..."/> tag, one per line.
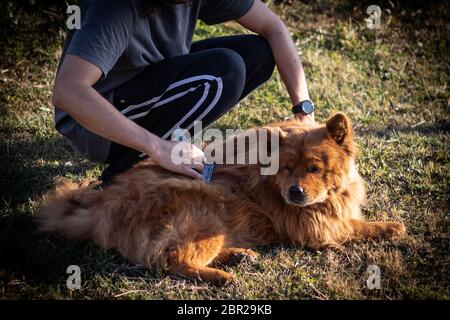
<point x="296" y="193"/>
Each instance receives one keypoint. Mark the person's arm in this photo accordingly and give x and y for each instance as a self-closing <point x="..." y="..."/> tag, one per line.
<point x="264" y="22"/>
<point x="73" y="93"/>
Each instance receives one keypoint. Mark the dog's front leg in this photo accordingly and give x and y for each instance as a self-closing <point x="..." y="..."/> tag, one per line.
<point x="364" y="229"/>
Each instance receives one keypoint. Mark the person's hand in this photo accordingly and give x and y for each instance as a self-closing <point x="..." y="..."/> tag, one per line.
<point x="305" y="119"/>
<point x="165" y="154"/>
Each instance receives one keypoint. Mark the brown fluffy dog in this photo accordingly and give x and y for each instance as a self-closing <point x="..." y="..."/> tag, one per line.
<point x="164" y="220"/>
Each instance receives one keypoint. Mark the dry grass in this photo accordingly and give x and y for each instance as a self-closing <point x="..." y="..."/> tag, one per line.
<point x="394" y="85"/>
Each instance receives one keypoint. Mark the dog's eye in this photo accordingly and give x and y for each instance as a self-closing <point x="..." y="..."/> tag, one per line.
<point x="288" y="166"/>
<point x="314" y="169"/>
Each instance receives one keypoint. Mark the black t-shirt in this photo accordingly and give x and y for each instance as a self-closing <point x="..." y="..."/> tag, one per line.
<point x="119" y="40"/>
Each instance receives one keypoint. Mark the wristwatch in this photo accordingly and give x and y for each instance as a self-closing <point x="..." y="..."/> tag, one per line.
<point x="305" y="107"/>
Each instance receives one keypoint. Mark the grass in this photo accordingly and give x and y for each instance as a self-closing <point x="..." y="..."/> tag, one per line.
<point x="392" y="82"/>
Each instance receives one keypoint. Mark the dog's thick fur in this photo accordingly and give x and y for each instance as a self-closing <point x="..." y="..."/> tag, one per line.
<point x="164" y="220"/>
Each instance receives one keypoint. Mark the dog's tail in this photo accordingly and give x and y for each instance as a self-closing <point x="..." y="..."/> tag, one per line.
<point x="67" y="210"/>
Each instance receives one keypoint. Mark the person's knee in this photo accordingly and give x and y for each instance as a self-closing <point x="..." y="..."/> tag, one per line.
<point x="232" y="72"/>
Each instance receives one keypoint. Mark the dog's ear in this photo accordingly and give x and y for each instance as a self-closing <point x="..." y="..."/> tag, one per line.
<point x="248" y="143"/>
<point x="272" y="137"/>
<point x="273" y="133"/>
<point x="339" y="128"/>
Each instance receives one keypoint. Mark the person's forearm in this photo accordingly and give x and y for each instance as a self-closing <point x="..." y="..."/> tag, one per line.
<point x="96" y="114"/>
<point x="261" y="20"/>
<point x="288" y="63"/>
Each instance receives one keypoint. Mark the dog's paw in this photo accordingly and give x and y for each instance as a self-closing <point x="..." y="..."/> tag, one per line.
<point x="395" y="229"/>
<point x="246" y="255"/>
<point x="222" y="279"/>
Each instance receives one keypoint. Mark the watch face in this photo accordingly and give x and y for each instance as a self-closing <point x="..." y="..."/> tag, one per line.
<point x="307" y="107"/>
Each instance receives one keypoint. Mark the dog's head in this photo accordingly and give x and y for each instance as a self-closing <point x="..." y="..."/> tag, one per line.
<point x="316" y="161"/>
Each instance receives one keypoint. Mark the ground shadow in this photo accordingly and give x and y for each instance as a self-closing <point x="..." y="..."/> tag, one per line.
<point x="29" y="169"/>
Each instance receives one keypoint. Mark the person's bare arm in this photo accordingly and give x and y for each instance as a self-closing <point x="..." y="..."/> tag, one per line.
<point x="73" y="93"/>
<point x="264" y="22"/>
